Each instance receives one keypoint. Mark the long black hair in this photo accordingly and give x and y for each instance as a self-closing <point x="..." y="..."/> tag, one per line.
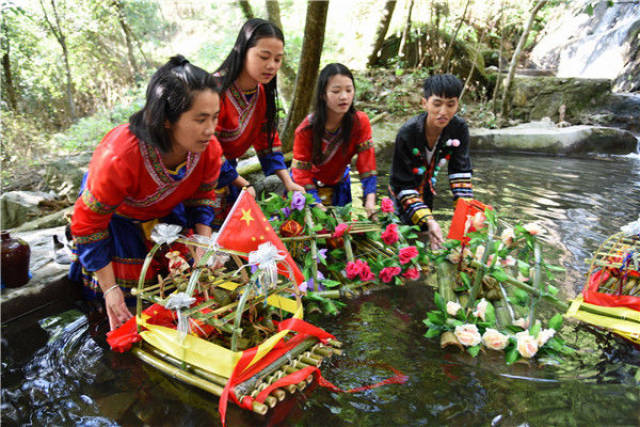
<point x="319" y="119"/>
<point x="251" y="32"/>
<point x="170" y="93"/>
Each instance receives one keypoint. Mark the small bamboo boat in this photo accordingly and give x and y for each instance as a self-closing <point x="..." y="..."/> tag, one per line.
<point x="238" y="336"/>
<point x="611" y="296"/>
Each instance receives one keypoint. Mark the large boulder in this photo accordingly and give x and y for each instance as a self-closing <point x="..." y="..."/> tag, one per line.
<point x="544" y="138"/>
<point x="573" y="100"/>
<point x="17" y="207"/>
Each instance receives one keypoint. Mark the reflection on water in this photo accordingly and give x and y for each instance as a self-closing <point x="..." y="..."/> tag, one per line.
<point x="58" y="371"/>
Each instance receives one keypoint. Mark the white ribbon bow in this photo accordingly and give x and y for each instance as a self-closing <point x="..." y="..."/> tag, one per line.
<point x="177" y="302"/>
<point x="165" y="233"/>
<point x="266" y="258"/>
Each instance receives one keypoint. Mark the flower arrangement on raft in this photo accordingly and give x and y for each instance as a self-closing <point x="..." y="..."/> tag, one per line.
<point x="341" y="252"/>
<point x="490" y="285"/>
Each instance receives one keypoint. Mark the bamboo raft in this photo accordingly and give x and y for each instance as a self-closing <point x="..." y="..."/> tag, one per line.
<point x="611" y="295"/>
<point x="223" y="311"/>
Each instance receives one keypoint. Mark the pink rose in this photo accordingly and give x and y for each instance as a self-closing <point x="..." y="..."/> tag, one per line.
<point x="494" y="339"/>
<point x="386" y="205"/>
<point x="407" y="254"/>
<point x="353" y="269"/>
<point x="522" y="322"/>
<point x="468" y="335"/>
<point x="508" y="237"/>
<point x="388" y="273"/>
<point x="527" y="344"/>
<point x="412" y="274"/>
<point x="390" y="234"/>
<point x="477" y="221"/>
<point x="341" y="229"/>
<point x="509" y="261"/>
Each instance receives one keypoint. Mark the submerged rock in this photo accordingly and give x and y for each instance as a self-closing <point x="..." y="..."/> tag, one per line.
<point x="544" y="138"/>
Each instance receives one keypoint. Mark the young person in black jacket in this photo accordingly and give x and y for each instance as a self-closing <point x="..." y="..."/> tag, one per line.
<point x="424" y="144"/>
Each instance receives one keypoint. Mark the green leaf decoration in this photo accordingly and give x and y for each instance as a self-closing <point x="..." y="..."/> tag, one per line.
<point x="318" y="214"/>
<point x="433" y="332"/>
<point x="490" y="314"/>
<point x="490" y="214"/>
<point x="465" y="279"/>
<point x="556" y="322"/>
<point x="499" y="274"/>
<point x="330" y="283"/>
<point x="451" y="243"/>
<point x="474" y="350"/>
<point x="436" y="317"/>
<point x="511" y="355"/>
<point x="524" y="268"/>
<point x="521" y="297"/>
<point x="440" y="302"/>
<point x="552" y="290"/>
<point x="535" y="329"/>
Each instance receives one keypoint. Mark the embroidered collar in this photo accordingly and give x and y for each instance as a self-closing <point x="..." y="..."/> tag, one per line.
<point x="245" y="106"/>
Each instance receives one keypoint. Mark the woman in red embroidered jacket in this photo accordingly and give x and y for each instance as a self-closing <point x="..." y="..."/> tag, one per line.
<point x="326" y="141"/>
<point x="167" y="156"/>
<point x="248" y="113"/>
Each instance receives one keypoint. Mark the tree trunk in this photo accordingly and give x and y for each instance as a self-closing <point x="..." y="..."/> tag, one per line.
<point x="308" y="70"/>
<point x="246" y="9"/>
<point x="122" y="20"/>
<point x="516" y="55"/>
<point x="59" y="35"/>
<point x="286" y="70"/>
<point x="473" y="63"/>
<point x="6" y="68"/>
<point x="383" y="26"/>
<point x="445" y="62"/>
<point x="500" y="23"/>
<point x="406" y="32"/>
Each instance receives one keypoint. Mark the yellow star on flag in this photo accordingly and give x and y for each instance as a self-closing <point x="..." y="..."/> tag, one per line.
<point x="246" y="216"/>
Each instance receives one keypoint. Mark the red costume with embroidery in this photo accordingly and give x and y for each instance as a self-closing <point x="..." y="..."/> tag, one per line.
<point x="335" y="158"/>
<point x="127" y="184"/>
<point x="242" y="123"/>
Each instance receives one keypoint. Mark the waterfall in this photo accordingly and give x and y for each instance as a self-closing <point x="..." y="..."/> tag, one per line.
<point x="596" y="46"/>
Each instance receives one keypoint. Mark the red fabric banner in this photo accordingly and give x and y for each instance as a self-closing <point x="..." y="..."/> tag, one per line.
<point x="592" y="296"/>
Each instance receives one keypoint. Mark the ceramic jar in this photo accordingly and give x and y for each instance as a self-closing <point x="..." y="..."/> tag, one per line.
<point x="15" y="261"/>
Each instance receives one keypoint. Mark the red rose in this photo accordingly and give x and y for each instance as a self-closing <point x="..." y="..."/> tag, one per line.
<point x="291" y="228"/>
<point x="386" y="205"/>
<point x="390" y="234"/>
<point x="407" y="254"/>
<point x="353" y="269"/>
<point x="341" y="229"/>
<point x="388" y="273"/>
<point x="412" y="274"/>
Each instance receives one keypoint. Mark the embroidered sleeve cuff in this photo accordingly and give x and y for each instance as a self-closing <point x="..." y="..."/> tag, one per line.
<point x="369" y="184"/>
<point x="414" y="207"/>
<point x="461" y="185"/>
<point x="228" y="174"/>
<point x="272" y="162"/>
<point x="94" y="250"/>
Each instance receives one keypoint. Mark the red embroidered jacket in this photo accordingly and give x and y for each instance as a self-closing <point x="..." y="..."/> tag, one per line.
<point x="127" y="177"/>
<point x="335" y="159"/>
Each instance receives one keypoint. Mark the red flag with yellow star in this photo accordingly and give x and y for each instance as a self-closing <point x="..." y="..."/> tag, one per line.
<point x="246" y="227"/>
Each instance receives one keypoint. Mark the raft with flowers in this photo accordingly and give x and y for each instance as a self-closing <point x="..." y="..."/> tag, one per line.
<point x="343" y="253"/>
<point x="490" y="279"/>
<point x="237" y="334"/>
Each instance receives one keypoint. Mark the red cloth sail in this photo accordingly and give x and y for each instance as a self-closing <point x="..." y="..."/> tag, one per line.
<point x="246" y="227"/>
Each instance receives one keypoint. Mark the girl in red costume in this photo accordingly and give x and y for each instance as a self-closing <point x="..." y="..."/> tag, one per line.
<point x="326" y="141"/>
<point x="248" y="113"/>
<point x="166" y="157"/>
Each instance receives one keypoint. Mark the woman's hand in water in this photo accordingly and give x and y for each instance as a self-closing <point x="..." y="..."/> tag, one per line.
<point x="117" y="309"/>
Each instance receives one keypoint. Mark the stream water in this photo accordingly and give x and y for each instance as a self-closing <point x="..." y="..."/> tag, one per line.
<point x="57" y="369"/>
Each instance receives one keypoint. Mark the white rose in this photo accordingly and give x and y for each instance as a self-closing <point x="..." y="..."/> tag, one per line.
<point x="527" y="344"/>
<point x="477" y="221"/>
<point x="545" y="335"/>
<point x="494" y="339"/>
<point x="468" y="335"/>
<point x="522" y="322"/>
<point x="507" y="236"/>
<point x="481" y="309"/>
<point x="479" y="252"/>
<point x="534" y="229"/>
<point x="509" y="261"/>
<point x="452" y="308"/>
